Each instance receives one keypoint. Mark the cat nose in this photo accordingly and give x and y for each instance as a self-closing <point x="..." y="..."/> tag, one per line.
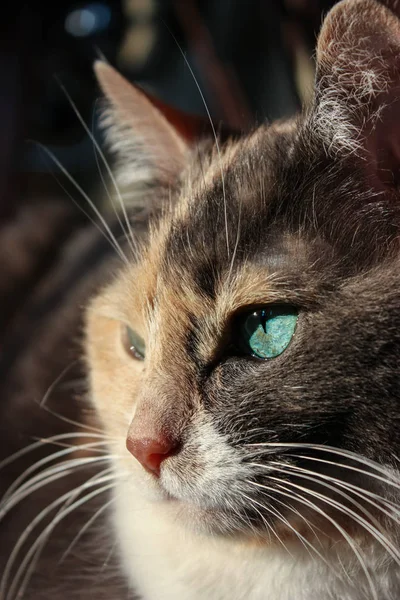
<point x="151" y="452"/>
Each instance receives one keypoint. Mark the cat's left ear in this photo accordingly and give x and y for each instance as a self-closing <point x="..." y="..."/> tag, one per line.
<point x="151" y="138"/>
<point x="357" y="99"/>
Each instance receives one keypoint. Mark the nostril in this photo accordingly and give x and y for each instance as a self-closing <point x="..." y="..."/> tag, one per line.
<point x="151" y="452"/>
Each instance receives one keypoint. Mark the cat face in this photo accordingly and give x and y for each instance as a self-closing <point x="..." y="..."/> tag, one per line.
<point x="247" y="357"/>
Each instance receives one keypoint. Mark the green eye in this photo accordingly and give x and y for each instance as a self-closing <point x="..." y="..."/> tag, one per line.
<point x="133" y="343"/>
<point x="266" y="333"/>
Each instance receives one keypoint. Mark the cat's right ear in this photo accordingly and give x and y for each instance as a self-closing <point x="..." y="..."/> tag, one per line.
<point x="150" y="139"/>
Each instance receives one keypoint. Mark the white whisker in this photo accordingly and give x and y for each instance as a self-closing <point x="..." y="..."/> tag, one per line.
<point x="108" y="557"/>
<point x="68" y="420"/>
<point x="111" y="237"/>
<point x="50" y="440"/>
<point x="86" y="527"/>
<point x="304" y="540"/>
<point x="24" y="563"/>
<point x="366" y="495"/>
<point x="128" y="233"/>
<point x="35" y="551"/>
<point x="49" y="476"/>
<point x="269" y="527"/>
<point x="288" y="492"/>
<point x="54" y="456"/>
<point x="57" y="380"/>
<point x="374" y="528"/>
<point x="392" y="481"/>
<point x="293" y="510"/>
<point x="239" y="224"/>
<point x="375" y="533"/>
<point x="92" y="449"/>
<point x="389" y="479"/>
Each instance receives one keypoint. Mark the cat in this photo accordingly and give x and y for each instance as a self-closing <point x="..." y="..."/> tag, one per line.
<point x="243" y="361"/>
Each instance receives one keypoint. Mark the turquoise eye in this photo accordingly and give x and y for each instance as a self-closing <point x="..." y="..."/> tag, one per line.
<point x="133" y="343"/>
<point x="266" y="333"/>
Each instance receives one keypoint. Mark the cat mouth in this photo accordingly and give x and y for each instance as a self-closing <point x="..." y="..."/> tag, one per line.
<point x="202" y="519"/>
<point x="193" y="510"/>
<point x="209" y="515"/>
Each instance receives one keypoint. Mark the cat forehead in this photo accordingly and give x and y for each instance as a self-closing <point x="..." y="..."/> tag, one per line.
<point x="220" y="241"/>
<point x="276" y="198"/>
<point x="223" y="217"/>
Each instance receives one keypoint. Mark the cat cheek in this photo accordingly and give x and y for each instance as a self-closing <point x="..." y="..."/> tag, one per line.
<point x="114" y="384"/>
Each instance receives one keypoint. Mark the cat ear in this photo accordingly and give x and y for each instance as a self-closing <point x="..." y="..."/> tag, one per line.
<point x="150" y="139"/>
<point x="357" y="98"/>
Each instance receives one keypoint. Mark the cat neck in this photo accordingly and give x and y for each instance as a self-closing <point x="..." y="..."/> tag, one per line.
<point x="165" y="561"/>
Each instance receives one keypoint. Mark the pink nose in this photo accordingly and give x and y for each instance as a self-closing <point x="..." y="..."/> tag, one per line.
<point x="151" y="452"/>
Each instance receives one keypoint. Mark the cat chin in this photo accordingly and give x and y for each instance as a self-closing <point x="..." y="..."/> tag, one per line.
<point x="193" y="515"/>
<point x="207" y="521"/>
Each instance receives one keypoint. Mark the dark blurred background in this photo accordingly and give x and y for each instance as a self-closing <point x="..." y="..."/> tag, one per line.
<point x="252" y="60"/>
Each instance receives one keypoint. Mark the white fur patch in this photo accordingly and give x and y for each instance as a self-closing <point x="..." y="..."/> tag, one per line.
<point x="165" y="561"/>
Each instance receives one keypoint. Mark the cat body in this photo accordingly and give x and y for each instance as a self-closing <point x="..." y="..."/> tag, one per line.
<point x="242" y="349"/>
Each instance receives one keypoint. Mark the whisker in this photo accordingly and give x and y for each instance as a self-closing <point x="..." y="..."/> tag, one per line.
<point x="68" y="420"/>
<point x="50" y="475"/>
<point x="67" y="503"/>
<point x="51" y="388"/>
<point x="86" y="527"/>
<point x="377" y="467"/>
<point x="128" y="233"/>
<point x="294" y="510"/>
<point x="375" y="531"/>
<point x="71" y="498"/>
<point x="91" y="449"/>
<point x="366" y="495"/>
<point x="358" y="554"/>
<point x="38" y="444"/>
<point x="269" y="527"/>
<point x="13" y="591"/>
<point x="108" y="557"/>
<point x="239" y="225"/>
<point x="57" y="380"/>
<point x="24" y="536"/>
<point x="238" y="231"/>
<point x="87" y="215"/>
<point x="111" y="237"/>
<point x="54" y="456"/>
<point x="304" y="540"/>
<point x="389" y="478"/>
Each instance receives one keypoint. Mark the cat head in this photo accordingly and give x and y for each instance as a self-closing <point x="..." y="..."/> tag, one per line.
<point x="245" y="360"/>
